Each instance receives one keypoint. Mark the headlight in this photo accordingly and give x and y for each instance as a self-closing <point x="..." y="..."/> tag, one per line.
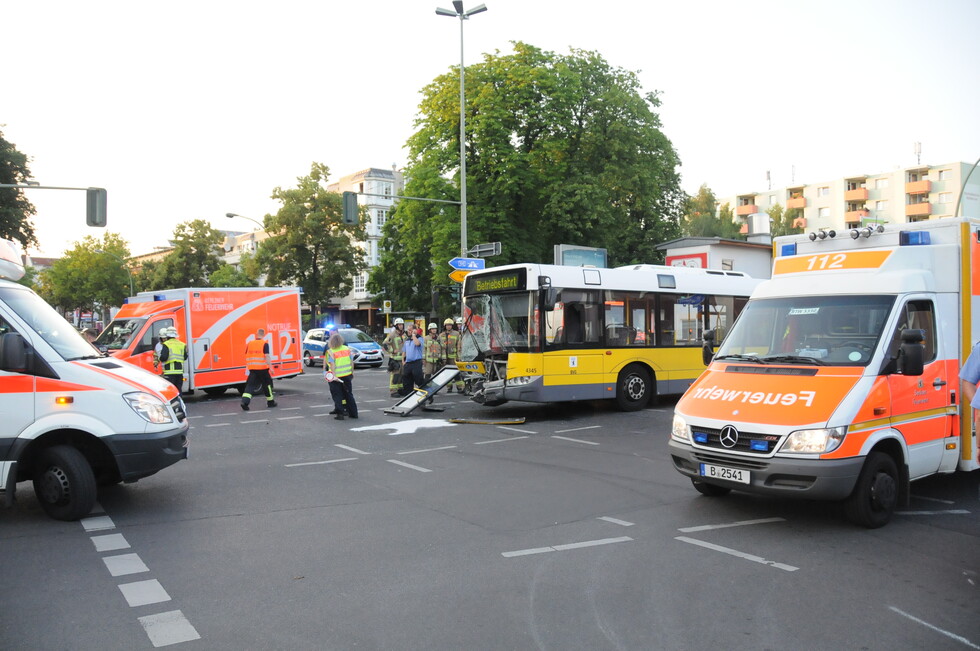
<point x="518" y="381"/>
<point x="150" y="408"/>
<point x="679" y="429"/>
<point x="814" y="441"/>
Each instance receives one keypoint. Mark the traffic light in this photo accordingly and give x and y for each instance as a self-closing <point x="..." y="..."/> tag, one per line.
<point x="350" y="208"/>
<point x="95" y="203"/>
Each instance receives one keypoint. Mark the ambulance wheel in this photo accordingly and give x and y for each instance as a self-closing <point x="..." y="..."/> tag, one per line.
<point x="64" y="483"/>
<point x="875" y="496"/>
<point x="711" y="490"/>
<point x="633" y="388"/>
<point x="214" y="392"/>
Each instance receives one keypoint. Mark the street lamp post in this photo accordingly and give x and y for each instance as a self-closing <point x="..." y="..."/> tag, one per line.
<point x="230" y="215"/>
<point x="132" y="290"/>
<point x="462" y="15"/>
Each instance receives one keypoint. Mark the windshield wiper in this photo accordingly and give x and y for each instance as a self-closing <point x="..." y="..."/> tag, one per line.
<point x="741" y="358"/>
<point x="793" y="359"/>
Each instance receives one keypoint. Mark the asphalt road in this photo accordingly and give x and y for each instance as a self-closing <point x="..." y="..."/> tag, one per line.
<point x="287" y="529"/>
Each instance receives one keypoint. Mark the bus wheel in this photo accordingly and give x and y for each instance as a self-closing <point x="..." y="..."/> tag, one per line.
<point x="633" y="388"/>
<point x="710" y="490"/>
<point x="214" y="392"/>
<point x="874" y="498"/>
<point x="64" y="483"/>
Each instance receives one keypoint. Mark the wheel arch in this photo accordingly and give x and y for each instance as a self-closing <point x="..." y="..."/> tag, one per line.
<point x="95" y="451"/>
<point x="895" y="448"/>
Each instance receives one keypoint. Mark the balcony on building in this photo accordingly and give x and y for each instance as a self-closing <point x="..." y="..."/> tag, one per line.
<point x="918" y="187"/>
<point x="799" y="222"/>
<point x="746" y="205"/>
<point x="923" y="209"/>
<point x="853" y="218"/>
<point x="857" y="194"/>
<point x="795" y="198"/>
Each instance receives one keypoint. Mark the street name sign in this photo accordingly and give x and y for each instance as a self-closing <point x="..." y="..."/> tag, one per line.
<point x="458" y="275"/>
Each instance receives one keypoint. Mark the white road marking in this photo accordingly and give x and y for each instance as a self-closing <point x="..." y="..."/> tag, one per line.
<point x="405" y="426"/>
<point x="740" y="523"/>
<point x="350" y="449"/>
<point x="291" y="417"/>
<point x="367" y="401"/>
<point x="565" y="438"/>
<point x="510" y="438"/>
<point x="953" y="636"/>
<point x="290" y="408"/>
<point x="124" y="564"/>
<point x="407" y="465"/>
<point x="194" y="417"/>
<point x="735" y="552"/>
<point x="250" y="422"/>
<point x="445" y="447"/>
<point x="932" y="499"/>
<point x="560" y="548"/>
<point x="98" y="523"/>
<point x="622" y="523"/>
<point x="168" y="628"/>
<point x="949" y="512"/>
<point x="142" y="593"/>
<point x="112" y="542"/>
<point x="319" y="463"/>
<point x="514" y="429"/>
<point x="576" y="429"/>
<point x="218" y="425"/>
<point x="318" y="406"/>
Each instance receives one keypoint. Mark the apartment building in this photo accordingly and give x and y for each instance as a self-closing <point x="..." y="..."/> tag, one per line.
<point x="905" y="195"/>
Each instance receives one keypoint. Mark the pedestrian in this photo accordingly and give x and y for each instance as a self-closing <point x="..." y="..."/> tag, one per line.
<point x="969" y="395"/>
<point x="338" y="371"/>
<point x="90" y="335"/>
<point x="412" y="375"/>
<point x="173" y="356"/>
<point x="432" y="360"/>
<point x="449" y="339"/>
<point x="393" y="344"/>
<point x="258" y="362"/>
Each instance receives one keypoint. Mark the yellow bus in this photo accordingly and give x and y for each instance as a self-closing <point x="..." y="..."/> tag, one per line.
<point x="548" y="333"/>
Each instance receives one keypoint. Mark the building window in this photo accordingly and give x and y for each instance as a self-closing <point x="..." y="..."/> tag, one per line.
<point x="381" y="219"/>
<point x="360" y="282"/>
<point x="945" y="175"/>
<point x="881" y="205"/>
<point x="945" y="197"/>
<point x="823" y="212"/>
<point x="823" y="191"/>
<point x="881" y="184"/>
<point x="772" y="200"/>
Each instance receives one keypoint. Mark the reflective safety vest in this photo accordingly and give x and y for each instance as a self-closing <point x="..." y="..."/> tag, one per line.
<point x="342" y="364"/>
<point x="450" y="344"/>
<point x="255" y="355"/>
<point x="393" y="344"/>
<point x="433" y="350"/>
<point x="175" y="360"/>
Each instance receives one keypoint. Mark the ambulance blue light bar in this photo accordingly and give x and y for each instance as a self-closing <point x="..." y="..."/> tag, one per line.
<point x="914" y="238"/>
<point x="788" y="249"/>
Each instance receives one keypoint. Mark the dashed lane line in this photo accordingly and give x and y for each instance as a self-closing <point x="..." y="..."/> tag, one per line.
<point x="561" y="548"/>
<point x="622" y="523"/>
<point x="953" y="636"/>
<point x="946" y="512"/>
<point x="509" y="438"/>
<point x="726" y="525"/>
<point x="350" y="449"/>
<point x="319" y="463"/>
<point x="565" y="438"/>
<point x="291" y="417"/>
<point x="143" y="593"/>
<point x="445" y="447"/>
<point x="407" y="465"/>
<point x="736" y="553"/>
<point x="514" y="429"/>
<point x="577" y="429"/>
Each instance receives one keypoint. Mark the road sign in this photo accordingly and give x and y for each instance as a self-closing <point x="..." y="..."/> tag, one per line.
<point x="469" y="264"/>
<point x="459" y="275"/>
<point x="485" y="250"/>
<point x="387" y="307"/>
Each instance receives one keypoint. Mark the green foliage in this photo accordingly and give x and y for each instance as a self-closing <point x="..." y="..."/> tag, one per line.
<point x="92" y="276"/>
<point x="561" y="149"/>
<point x="229" y="275"/>
<point x="701" y="219"/>
<point x="15" y="210"/>
<point x="194" y="258"/>
<point x="309" y="245"/>
<point x="781" y="223"/>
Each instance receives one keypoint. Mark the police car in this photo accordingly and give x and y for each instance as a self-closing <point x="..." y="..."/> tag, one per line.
<point x="365" y="351"/>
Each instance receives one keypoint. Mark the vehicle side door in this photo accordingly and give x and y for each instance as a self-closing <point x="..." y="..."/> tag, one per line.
<point x="146" y="344"/>
<point x="17" y="390"/>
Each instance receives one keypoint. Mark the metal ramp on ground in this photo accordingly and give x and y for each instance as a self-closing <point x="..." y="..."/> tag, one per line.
<point x="417" y="398"/>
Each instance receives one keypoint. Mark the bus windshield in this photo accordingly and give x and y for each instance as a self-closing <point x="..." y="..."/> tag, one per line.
<point x="499" y="323"/>
<point x="823" y="330"/>
<point x="119" y="334"/>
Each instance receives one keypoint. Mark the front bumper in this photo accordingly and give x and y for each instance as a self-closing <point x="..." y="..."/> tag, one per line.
<point x="141" y="455"/>
<point x="817" y="479"/>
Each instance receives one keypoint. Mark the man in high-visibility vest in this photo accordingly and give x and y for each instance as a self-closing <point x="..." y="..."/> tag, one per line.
<point x="338" y="371"/>
<point x="173" y="355"/>
<point x="394" y="344"/>
<point x="258" y="362"/>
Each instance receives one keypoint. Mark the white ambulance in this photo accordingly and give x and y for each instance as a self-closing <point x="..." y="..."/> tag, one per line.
<point x="839" y="381"/>
<point x="72" y="418"/>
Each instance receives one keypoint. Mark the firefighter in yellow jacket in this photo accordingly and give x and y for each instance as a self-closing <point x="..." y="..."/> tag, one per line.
<point x="449" y="338"/>
<point x="393" y="344"/>
<point x="432" y="358"/>
<point x="173" y="356"/>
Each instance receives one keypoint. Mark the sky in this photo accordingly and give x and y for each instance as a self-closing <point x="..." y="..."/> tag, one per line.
<point x="193" y="109"/>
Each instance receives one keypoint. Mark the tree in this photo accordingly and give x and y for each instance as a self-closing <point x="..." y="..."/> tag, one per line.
<point x="701" y="219"/>
<point x="194" y="258"/>
<point x="309" y="245"/>
<point x="782" y="223"/>
<point x="561" y="149"/>
<point x="15" y="210"/>
<point x="92" y="276"/>
<point x="228" y="275"/>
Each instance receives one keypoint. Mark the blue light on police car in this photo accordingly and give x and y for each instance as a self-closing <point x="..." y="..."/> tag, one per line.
<point x="759" y="446"/>
<point x="914" y="238"/>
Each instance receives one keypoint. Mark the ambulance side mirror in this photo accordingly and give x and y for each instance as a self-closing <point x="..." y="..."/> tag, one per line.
<point x="13" y="353"/>
<point x="708" y="348"/>
<point x="910" y="352"/>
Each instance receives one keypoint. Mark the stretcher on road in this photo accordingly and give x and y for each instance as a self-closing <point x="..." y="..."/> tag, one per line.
<point x="424" y="394"/>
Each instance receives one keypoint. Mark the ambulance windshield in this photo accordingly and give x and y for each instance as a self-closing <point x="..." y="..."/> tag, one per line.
<point x="47" y="323"/>
<point x="822" y="330"/>
<point x="119" y="334"/>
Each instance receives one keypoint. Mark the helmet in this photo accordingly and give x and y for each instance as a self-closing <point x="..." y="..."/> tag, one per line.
<point x="171" y="332"/>
<point x="164" y="333"/>
<point x="399" y="321"/>
<point x="433" y="326"/>
<point x="459" y="320"/>
<point x="448" y="321"/>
